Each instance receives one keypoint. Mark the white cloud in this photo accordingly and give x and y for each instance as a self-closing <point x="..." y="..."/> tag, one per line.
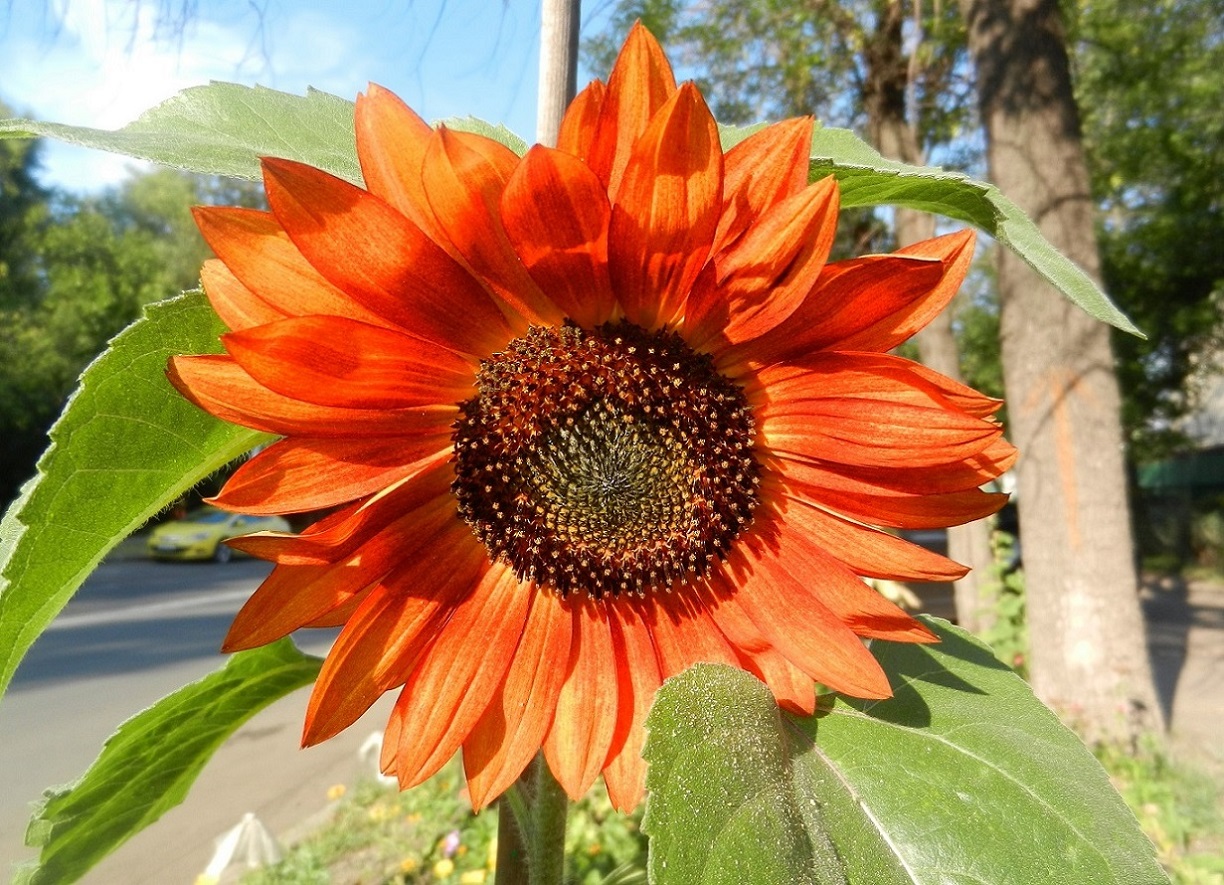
<point x="104" y="62"/>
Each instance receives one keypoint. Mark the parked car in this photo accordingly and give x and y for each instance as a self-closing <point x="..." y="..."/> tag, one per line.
<point x="199" y="535"/>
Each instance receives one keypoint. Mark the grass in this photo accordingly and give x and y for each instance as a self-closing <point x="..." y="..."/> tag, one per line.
<point x="379" y="836"/>
<point x="1179" y="807"/>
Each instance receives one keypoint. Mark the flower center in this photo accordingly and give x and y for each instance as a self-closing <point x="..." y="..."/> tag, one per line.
<point x="608" y="460"/>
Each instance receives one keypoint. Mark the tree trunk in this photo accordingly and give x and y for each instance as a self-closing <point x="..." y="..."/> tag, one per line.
<point x="1089" y="656"/>
<point x="893" y="135"/>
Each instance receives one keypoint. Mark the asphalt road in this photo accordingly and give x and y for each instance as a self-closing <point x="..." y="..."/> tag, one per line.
<point x="136" y="631"/>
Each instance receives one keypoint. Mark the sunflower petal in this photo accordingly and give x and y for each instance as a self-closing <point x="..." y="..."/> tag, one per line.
<point x="578" y="125"/>
<point x="767" y="274"/>
<point x="868" y="551"/>
<point x="382" y="260"/>
<point x="848" y="297"/>
<point x="261" y="256"/>
<point x="666" y="210"/>
<point x="801" y="627"/>
<point x="452" y="686"/>
<point x="859" y="498"/>
<point x="217" y="384"/>
<point x="302" y="474"/>
<point x="556" y="214"/>
<point x="640" y="84"/>
<point x="637" y="681"/>
<point x="513" y="726"/>
<point x="465" y="175"/>
<point x="386" y="636"/>
<point x="334" y="361"/>
<point x="762" y="170"/>
<point x="580" y="735"/>
<point x="391" y="144"/>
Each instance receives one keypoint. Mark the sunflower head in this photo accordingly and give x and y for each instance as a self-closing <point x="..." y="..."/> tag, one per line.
<point x="576" y="420"/>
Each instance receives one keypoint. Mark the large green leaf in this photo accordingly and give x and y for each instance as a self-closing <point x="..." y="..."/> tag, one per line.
<point x="147" y="766"/>
<point x="126" y="446"/>
<point x="962" y="777"/>
<point x="223" y="129"/>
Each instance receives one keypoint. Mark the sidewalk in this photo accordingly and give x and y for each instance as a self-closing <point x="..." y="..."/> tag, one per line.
<point x="1186" y="637"/>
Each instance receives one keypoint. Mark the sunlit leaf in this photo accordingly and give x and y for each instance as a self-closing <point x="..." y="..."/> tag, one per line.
<point x="223" y="129"/>
<point x="126" y="446"/>
<point x="962" y="777"/>
<point x="147" y="766"/>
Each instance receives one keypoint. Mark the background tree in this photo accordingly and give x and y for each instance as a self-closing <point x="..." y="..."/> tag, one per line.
<point x="1088" y="651"/>
<point x="77" y="271"/>
<point x="1157" y="171"/>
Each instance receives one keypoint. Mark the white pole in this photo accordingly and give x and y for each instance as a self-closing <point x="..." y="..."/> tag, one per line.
<point x="559" y="20"/>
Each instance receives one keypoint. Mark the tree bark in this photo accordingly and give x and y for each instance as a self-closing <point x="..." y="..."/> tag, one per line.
<point x="894" y="136"/>
<point x="1089" y="655"/>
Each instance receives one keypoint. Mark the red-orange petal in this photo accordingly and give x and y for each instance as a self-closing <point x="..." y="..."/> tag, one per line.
<point x="465" y="175"/>
<point x="816" y="572"/>
<point x="955" y="251"/>
<point x="391" y="143"/>
<point x="792" y="689"/>
<point x="873" y="431"/>
<point x="580" y="735"/>
<point x="385" y="637"/>
<point x="236" y="305"/>
<point x="510" y="732"/>
<point x="578" y="125"/>
<point x="767" y="274"/>
<point x="383" y="260"/>
<point x="301" y="474"/>
<point x="334" y="361"/>
<point x="218" y="385"/>
<point x="666" y="211"/>
<point x="262" y="257"/>
<point x="863" y="500"/>
<point x="799" y="626"/>
<point x="762" y="170"/>
<point x="684" y="635"/>
<point x="848" y="297"/>
<point x="637" y="682"/>
<point x="556" y="214"/>
<point x="640" y="84"/>
<point x="868" y="551"/>
<point x="838" y="374"/>
<point x="452" y="686"/>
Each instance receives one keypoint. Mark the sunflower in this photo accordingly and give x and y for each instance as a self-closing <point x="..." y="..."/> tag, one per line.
<point x="579" y="419"/>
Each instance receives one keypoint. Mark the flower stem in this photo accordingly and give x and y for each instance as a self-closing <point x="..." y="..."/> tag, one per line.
<point x="531" y="829"/>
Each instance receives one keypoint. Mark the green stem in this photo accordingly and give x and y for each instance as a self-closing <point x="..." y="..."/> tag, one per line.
<point x="531" y="829"/>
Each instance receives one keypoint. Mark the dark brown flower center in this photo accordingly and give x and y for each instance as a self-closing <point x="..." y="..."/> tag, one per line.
<point x="605" y="461"/>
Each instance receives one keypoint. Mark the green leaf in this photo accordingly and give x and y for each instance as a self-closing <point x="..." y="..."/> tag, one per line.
<point x="223" y="129"/>
<point x="868" y="179"/>
<point x="962" y="777"/>
<point x="498" y="132"/>
<point x="126" y="446"/>
<point x="147" y="766"/>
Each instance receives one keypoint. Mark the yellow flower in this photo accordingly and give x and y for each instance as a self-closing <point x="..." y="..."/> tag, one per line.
<point x="443" y="868"/>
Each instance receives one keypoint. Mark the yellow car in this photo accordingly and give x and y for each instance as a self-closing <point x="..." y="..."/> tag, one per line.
<point x="199" y="535"/>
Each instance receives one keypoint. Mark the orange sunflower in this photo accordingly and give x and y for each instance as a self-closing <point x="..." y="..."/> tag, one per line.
<point x="584" y="417"/>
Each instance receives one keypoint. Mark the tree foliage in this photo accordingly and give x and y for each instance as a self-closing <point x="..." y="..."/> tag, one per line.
<point x="1149" y="81"/>
<point x="74" y="271"/>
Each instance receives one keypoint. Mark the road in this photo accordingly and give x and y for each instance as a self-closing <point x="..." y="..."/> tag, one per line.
<point x="136" y="631"/>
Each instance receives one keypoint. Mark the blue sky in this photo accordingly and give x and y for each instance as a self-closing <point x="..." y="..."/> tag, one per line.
<point x="102" y="62"/>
